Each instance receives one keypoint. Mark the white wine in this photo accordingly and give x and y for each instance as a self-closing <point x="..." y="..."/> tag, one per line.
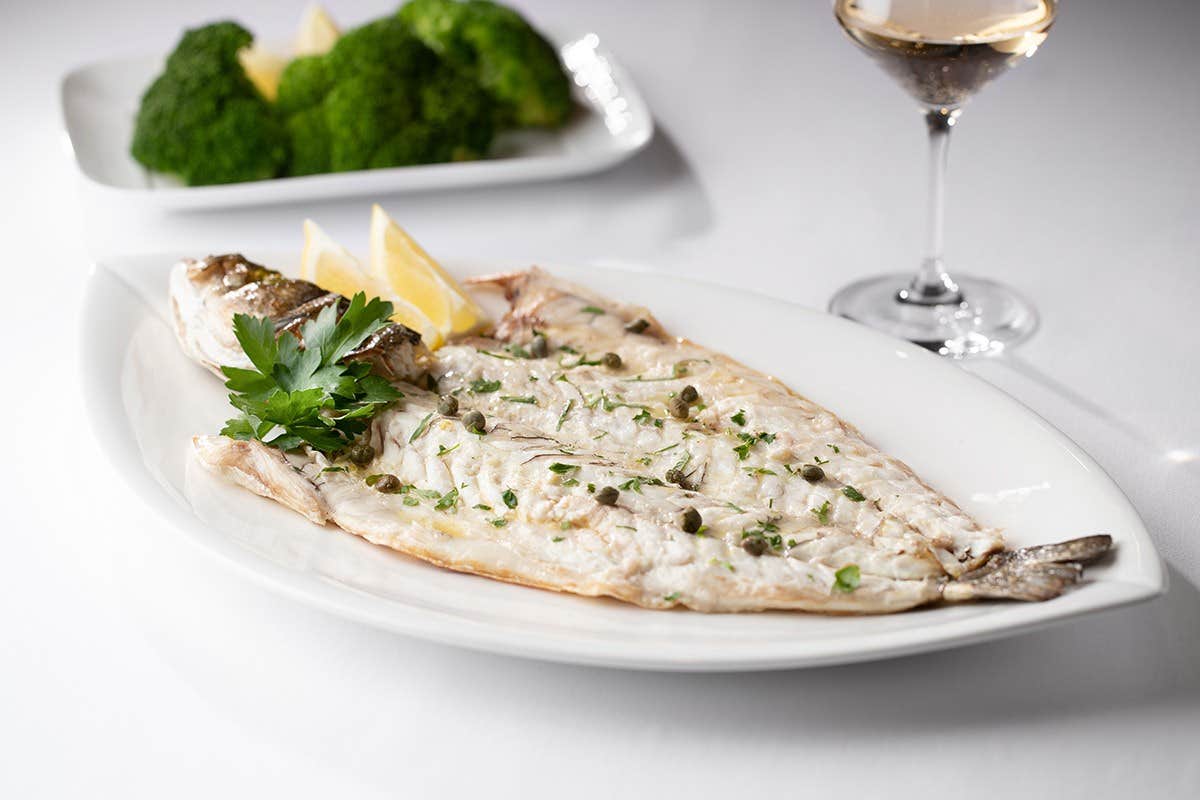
<point x="942" y="57"/>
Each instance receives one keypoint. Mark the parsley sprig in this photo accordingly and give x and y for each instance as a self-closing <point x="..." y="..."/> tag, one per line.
<point x="298" y="395"/>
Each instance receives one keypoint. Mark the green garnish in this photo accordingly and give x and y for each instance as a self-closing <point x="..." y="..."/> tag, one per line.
<point x="644" y="417"/>
<point x="297" y="396"/>
<point x="559" y="468"/>
<point x="510" y="498"/>
<point x="443" y="450"/>
<point x="570" y="482"/>
<point x="853" y="494"/>
<point x="739" y="418"/>
<point x="822" y="513"/>
<point x="422" y="426"/>
<point x="482" y="507"/>
<point x="664" y="449"/>
<point x="834" y="448"/>
<point x="446" y="501"/>
<point x="635" y="484"/>
<point x="847" y="578"/>
<point x="411" y="501"/>
<point x="758" y="471"/>
<point x="557" y="539"/>
<point x="563" y="416"/>
<point x="335" y="469"/>
<point x="671" y="597"/>
<point x="591" y="310"/>
<point x="518" y="351"/>
<point x="495" y="355"/>
<point x="499" y="522"/>
<point x="481" y="386"/>
<point x="527" y="399"/>
<point x="716" y="562"/>
<point x="733" y="507"/>
<point x="819" y="461"/>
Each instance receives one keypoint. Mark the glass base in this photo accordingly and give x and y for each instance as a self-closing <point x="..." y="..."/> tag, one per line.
<point x="990" y="318"/>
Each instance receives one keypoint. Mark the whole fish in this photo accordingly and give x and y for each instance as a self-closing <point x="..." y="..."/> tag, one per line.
<point x="616" y="460"/>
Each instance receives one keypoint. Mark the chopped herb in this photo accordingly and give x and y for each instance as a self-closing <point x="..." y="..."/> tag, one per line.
<point x="627" y="527"/>
<point x="791" y="543"/>
<point x="834" y="448"/>
<point x="600" y="435"/>
<point x="847" y="578"/>
<point x="518" y="351"/>
<point x="583" y="361"/>
<point x="443" y="450"/>
<point x="664" y="449"/>
<point x="635" y="484"/>
<point x="739" y="418"/>
<point x="527" y="399"/>
<point x="559" y="468"/>
<point x="566" y="348"/>
<point x="482" y="507"/>
<point x="822" y="513"/>
<point x="732" y="507"/>
<point x="766" y="437"/>
<point x="646" y="418"/>
<point x="448" y="500"/>
<point x="422" y="426"/>
<point x="558" y="538"/>
<point x="819" y="461"/>
<point x="716" y="562"/>
<point x="335" y="469"/>
<point x="591" y="487"/>
<point x="853" y="494"/>
<point x="499" y="522"/>
<point x="371" y="480"/>
<point x="564" y="526"/>
<point x="570" y="482"/>
<point x="673" y="596"/>
<point x="592" y="310"/>
<point x="495" y="355"/>
<point x="758" y="471"/>
<point x="563" y="416"/>
<point x="411" y="501"/>
<point x="510" y="498"/>
<point x="481" y="386"/>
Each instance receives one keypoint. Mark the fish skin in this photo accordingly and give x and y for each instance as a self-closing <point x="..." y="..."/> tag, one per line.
<point x="206" y="294"/>
<point x="558" y="537"/>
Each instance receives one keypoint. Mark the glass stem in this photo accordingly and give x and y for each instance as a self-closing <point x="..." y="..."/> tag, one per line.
<point x="932" y="284"/>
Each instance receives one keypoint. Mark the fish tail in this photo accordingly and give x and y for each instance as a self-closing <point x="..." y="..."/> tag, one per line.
<point x="1031" y="573"/>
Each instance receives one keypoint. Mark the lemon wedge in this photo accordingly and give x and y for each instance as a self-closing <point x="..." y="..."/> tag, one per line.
<point x="263" y="68"/>
<point x="332" y="267"/>
<point x="401" y="264"/>
<point x="317" y="32"/>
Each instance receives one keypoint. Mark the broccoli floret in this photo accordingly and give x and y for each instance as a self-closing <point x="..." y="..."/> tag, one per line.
<point x="501" y="51"/>
<point x="381" y="98"/>
<point x="203" y="120"/>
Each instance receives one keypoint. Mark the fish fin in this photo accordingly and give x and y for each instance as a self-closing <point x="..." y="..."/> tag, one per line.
<point x="1031" y="573"/>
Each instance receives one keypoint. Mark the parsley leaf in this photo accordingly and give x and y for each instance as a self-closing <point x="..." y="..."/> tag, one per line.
<point x="510" y="498"/>
<point x="739" y="418"/>
<point x="847" y="578"/>
<point x="481" y="386"/>
<point x="853" y="494"/>
<point x="559" y="468"/>
<point x="673" y="596"/>
<point x="447" y="501"/>
<point x="303" y="395"/>
<point x="527" y="399"/>
<point x="565" y="412"/>
<point x="822" y="513"/>
<point x="592" y="310"/>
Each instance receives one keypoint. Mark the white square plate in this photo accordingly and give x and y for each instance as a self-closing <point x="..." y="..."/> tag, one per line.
<point x="998" y="460"/>
<point x="100" y="101"/>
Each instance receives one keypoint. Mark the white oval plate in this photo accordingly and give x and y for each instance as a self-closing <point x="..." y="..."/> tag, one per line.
<point x="1003" y="463"/>
<point x="100" y="101"/>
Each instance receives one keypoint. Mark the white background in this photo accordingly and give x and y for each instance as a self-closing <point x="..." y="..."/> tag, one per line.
<point x="133" y="665"/>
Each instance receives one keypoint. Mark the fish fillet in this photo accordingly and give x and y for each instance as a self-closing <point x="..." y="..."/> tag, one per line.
<point x="519" y="503"/>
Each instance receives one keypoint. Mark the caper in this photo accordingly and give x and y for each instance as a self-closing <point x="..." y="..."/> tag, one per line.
<point x="607" y="496"/>
<point x="474" y="421"/>
<point x="539" y="347"/>
<point x="674" y="475"/>
<point x="611" y="360"/>
<point x="639" y="325"/>
<point x="679" y="408"/>
<point x="812" y="473"/>
<point x="448" y="405"/>
<point x="388" y="484"/>
<point x="361" y="454"/>
<point x="690" y="520"/>
<point x="754" y="545"/>
<point x="689" y="394"/>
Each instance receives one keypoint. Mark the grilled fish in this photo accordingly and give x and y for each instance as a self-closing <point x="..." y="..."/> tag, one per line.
<point x="790" y="496"/>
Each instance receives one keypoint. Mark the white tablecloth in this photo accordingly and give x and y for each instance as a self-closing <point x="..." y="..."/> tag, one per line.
<point x="133" y="665"/>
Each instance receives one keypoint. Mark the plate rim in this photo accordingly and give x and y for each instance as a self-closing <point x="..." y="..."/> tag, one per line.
<point x="499" y="171"/>
<point x="98" y="354"/>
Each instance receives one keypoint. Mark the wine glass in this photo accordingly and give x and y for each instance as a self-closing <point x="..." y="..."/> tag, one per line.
<point x="942" y="52"/>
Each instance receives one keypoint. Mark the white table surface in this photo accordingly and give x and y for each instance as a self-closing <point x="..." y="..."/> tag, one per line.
<point x="133" y="665"/>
